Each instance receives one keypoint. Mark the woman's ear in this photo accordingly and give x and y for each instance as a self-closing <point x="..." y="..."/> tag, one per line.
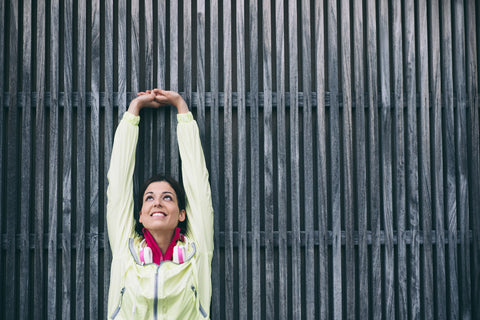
<point x="181" y="215"/>
<point x="140" y="216"/>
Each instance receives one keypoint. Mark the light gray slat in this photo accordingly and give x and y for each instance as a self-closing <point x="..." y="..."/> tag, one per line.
<point x="399" y="159"/>
<point x="425" y="184"/>
<point x="215" y="156"/>
<point x="474" y="146"/>
<point x="108" y="141"/>
<point x="334" y="144"/>
<point x="94" y="162"/>
<point x="461" y="157"/>
<point x="294" y="162"/>
<point x="412" y="157"/>
<point x="148" y="137"/>
<point x="39" y="299"/>
<point x="307" y="164"/>
<point x="81" y="168"/>
<point x="449" y="158"/>
<point x="26" y="163"/>
<point x="230" y="303"/>
<point x="373" y="159"/>
<point x="268" y="159"/>
<point x="256" y="302"/>
<point x="200" y="71"/>
<point x="134" y="46"/>
<point x="53" y="160"/>
<point x="121" y="62"/>
<point x="241" y="170"/>
<point x="174" y="169"/>
<point x="321" y="145"/>
<point x="12" y="158"/>
<point x="187" y="50"/>
<point x="437" y="160"/>
<point x="161" y="55"/>
<point x="386" y="158"/>
<point x="346" y="150"/>
<point x="67" y="143"/>
<point x="148" y="41"/>
<point x="359" y="149"/>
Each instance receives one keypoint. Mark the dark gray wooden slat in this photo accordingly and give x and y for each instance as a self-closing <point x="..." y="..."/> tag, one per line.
<point x="268" y="159"/>
<point x="334" y="145"/>
<point x="347" y="157"/>
<point x="425" y="185"/>
<point x="81" y="167"/>
<point x="437" y="165"/>
<point x="255" y="302"/>
<point x="121" y="61"/>
<point x="321" y="146"/>
<point x="161" y="56"/>
<point x="373" y="159"/>
<point x="241" y="170"/>
<point x="26" y="163"/>
<point x="108" y="140"/>
<point x="386" y="158"/>
<point x="294" y="161"/>
<point x="175" y="37"/>
<point x="399" y="159"/>
<point x="215" y="154"/>
<point x="359" y="150"/>
<point x="230" y="304"/>
<point x="308" y="189"/>
<point x="67" y="143"/>
<point x="461" y="157"/>
<point x="200" y="71"/>
<point x="12" y="158"/>
<point x="474" y="146"/>
<point x="187" y="50"/>
<point x="412" y="158"/>
<point x="53" y="160"/>
<point x="94" y="163"/>
<point x="39" y="300"/>
<point x="3" y="146"/>
<point x="451" y="204"/>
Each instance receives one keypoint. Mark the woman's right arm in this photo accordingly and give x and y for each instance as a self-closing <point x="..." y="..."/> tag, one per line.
<point x="120" y="204"/>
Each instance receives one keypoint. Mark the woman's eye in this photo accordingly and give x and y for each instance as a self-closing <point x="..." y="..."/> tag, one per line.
<point x="169" y="198"/>
<point x="148" y="198"/>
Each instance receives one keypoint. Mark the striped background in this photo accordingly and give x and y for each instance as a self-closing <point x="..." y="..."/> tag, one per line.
<point x="342" y="140"/>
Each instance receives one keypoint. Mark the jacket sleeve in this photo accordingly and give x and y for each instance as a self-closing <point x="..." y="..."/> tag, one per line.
<point x="195" y="182"/>
<point x="120" y="220"/>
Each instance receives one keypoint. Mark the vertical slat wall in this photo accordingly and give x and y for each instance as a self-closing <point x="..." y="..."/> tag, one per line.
<point x="342" y="140"/>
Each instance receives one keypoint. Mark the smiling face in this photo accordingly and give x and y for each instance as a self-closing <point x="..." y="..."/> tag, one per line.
<point x="160" y="210"/>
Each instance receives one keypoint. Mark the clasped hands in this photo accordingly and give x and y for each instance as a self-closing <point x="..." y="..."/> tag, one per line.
<point x="157" y="98"/>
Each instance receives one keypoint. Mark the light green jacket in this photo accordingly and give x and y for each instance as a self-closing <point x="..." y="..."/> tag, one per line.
<point x="170" y="290"/>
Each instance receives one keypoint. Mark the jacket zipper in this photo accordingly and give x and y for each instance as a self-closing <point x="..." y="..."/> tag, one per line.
<point x="155" y="300"/>
<point x="117" y="310"/>
<point x="200" y="308"/>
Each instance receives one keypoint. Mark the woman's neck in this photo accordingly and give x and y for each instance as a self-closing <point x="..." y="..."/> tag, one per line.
<point x="163" y="239"/>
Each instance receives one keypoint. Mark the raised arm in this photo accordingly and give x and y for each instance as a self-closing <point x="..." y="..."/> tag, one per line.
<point x="120" y="219"/>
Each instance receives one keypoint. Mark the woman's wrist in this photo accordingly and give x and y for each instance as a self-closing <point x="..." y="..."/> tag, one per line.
<point x="182" y="106"/>
<point x="134" y="107"/>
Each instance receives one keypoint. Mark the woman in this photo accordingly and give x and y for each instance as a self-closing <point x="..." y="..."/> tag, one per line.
<point x="164" y="269"/>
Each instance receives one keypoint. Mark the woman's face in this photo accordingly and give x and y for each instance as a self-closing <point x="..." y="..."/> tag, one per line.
<point x="160" y="210"/>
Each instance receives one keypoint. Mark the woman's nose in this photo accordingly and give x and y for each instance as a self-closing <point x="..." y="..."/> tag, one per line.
<point x="157" y="202"/>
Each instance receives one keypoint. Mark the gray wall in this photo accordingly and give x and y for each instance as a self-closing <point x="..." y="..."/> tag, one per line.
<point x="342" y="140"/>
